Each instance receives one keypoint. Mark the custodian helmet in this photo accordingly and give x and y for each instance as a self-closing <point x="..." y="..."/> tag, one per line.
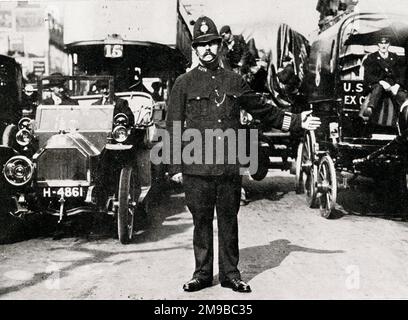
<point x="205" y="30"/>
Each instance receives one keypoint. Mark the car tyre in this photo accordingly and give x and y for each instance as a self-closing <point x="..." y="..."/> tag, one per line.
<point x="127" y="204"/>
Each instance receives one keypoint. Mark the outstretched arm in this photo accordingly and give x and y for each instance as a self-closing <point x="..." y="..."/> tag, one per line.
<point x="266" y="111"/>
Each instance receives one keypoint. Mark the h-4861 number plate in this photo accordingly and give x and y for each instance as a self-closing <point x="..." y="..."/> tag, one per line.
<point x="66" y="192"/>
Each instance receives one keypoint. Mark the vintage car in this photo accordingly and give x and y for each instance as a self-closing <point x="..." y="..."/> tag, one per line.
<point x="347" y="144"/>
<point x="11" y="81"/>
<point x="80" y="156"/>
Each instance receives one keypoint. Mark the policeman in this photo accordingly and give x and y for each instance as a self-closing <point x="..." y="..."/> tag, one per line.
<point x="383" y="76"/>
<point x="208" y="98"/>
<point x="235" y="49"/>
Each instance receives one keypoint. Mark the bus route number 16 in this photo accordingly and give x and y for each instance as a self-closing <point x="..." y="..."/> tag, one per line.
<point x="113" y="50"/>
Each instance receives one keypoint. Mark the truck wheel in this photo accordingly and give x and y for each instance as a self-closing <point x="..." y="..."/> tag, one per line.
<point x="309" y="169"/>
<point x="327" y="186"/>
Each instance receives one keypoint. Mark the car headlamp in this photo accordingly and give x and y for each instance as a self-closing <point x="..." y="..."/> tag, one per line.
<point x="24" y="137"/>
<point x="18" y="170"/>
<point x="25" y="123"/>
<point x="121" y="119"/>
<point x="120" y="134"/>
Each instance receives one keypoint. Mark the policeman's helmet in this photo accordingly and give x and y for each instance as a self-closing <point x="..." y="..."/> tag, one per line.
<point x="205" y="31"/>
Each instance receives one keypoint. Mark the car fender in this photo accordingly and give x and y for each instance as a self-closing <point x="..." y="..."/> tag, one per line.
<point x="118" y="147"/>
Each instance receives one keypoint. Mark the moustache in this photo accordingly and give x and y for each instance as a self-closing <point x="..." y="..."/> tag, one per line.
<point x="209" y="53"/>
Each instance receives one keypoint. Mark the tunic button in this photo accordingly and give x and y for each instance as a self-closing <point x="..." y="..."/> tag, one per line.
<point x="219" y="138"/>
<point x="198" y="98"/>
<point x="219" y="120"/>
<point x="212" y="77"/>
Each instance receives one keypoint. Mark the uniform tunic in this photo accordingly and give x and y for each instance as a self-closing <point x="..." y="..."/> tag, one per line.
<point x="390" y="70"/>
<point x="377" y="68"/>
<point x="211" y="99"/>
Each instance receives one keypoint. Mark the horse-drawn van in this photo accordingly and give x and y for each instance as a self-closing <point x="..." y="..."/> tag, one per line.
<point x="349" y="144"/>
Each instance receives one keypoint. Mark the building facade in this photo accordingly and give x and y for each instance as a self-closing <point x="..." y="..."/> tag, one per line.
<point x="32" y="35"/>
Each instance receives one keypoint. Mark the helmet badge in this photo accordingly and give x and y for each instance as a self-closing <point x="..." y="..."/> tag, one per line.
<point x="204" y="27"/>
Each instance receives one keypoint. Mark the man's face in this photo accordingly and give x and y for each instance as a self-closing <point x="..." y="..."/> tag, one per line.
<point x="56" y="89"/>
<point x="226" y="36"/>
<point x="383" y="46"/>
<point x="104" y="90"/>
<point x="208" y="51"/>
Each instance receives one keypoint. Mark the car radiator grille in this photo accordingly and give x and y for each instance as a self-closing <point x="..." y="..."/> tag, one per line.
<point x="62" y="164"/>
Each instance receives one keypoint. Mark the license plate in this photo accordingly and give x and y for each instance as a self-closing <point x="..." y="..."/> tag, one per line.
<point x="66" y="192"/>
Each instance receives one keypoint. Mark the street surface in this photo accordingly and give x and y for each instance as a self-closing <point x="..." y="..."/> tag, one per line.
<point x="287" y="251"/>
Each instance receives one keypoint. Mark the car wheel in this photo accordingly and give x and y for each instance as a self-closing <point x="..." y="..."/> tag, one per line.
<point x="127" y="203"/>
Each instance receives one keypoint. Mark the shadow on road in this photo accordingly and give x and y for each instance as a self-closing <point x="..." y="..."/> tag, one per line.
<point x="169" y="203"/>
<point x="270" y="188"/>
<point x="95" y="256"/>
<point x="256" y="260"/>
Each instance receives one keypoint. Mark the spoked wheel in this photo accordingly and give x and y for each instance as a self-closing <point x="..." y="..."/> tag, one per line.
<point x="127" y="204"/>
<point x="308" y="170"/>
<point x="327" y="186"/>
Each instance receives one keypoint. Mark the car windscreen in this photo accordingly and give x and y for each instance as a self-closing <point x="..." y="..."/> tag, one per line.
<point x="73" y="88"/>
<point x="74" y="118"/>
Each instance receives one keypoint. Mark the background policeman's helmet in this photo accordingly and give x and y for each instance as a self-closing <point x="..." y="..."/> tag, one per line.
<point x="204" y="31"/>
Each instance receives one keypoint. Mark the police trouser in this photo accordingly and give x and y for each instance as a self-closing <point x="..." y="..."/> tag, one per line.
<point x="203" y="194"/>
<point x="377" y="96"/>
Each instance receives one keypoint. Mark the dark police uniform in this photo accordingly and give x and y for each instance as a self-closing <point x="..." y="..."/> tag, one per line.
<point x="376" y="69"/>
<point x="210" y="99"/>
